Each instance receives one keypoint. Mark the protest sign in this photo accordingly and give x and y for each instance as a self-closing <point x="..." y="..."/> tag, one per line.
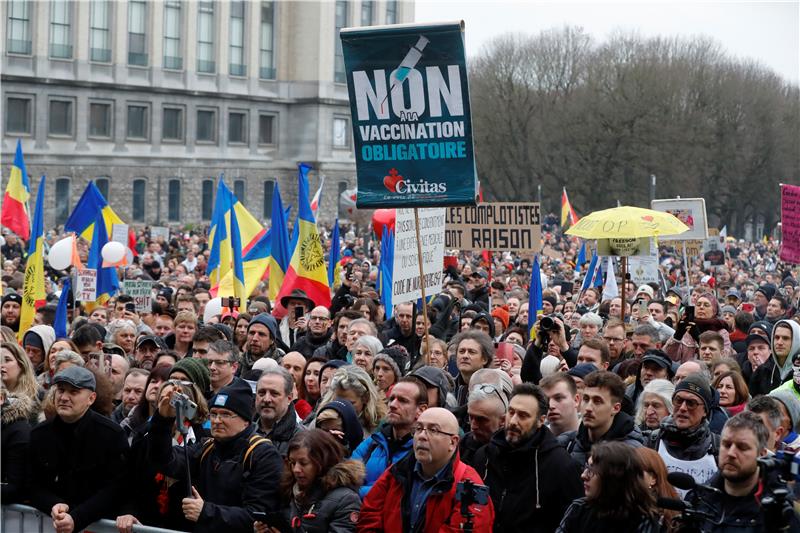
<point x="119" y="233"/>
<point x="790" y="224"/>
<point x="85" y="284"/>
<point x="405" y="273"/>
<point x="410" y="109"/>
<point x="497" y="227"/>
<point x="644" y="268"/>
<point x="714" y="249"/>
<point x="159" y="232"/>
<point x="142" y="293"/>
<point x="624" y="247"/>
<point x="690" y="211"/>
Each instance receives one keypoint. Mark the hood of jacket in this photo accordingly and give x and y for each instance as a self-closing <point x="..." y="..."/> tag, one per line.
<point x="46" y="333"/>
<point x="351" y="427"/>
<point x="541" y="439"/>
<point x="349" y="473"/>
<point x="622" y="428"/>
<point x="17" y="407"/>
<point x="794" y="350"/>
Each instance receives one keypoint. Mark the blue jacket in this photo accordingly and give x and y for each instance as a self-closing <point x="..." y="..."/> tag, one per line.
<point x="374" y="453"/>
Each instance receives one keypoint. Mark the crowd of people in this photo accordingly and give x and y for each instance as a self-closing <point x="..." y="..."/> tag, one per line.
<point x="679" y="412"/>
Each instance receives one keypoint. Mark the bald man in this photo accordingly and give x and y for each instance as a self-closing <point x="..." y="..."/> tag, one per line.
<point x="427" y="479"/>
<point x="316" y="333"/>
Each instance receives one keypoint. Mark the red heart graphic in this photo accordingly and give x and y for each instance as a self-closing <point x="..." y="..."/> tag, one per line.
<point x="648" y="218"/>
<point x="391" y="181"/>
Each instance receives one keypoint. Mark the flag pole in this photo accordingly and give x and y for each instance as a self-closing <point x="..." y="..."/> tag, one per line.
<point x="624" y="261"/>
<point x="422" y="286"/>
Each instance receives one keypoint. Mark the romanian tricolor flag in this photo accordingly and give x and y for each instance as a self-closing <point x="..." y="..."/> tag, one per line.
<point x="15" y="202"/>
<point x="33" y="294"/>
<point x="307" y="267"/>
<point x="281" y="254"/>
<point x="535" y="307"/>
<point x="567" y="212"/>
<point x="90" y="205"/>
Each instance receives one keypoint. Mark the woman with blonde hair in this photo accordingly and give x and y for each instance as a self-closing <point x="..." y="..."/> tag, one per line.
<point x="353" y="384"/>
<point x="18" y="377"/>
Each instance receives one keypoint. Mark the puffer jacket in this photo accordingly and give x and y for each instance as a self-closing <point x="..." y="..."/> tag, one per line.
<point x="375" y="454"/>
<point x="333" y="505"/>
<point x="16" y="437"/>
<point x="531" y="484"/>
<point x="387" y="507"/>
<point x="622" y="429"/>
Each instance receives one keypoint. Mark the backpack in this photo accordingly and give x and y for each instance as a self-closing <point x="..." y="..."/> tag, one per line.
<point x="255" y="440"/>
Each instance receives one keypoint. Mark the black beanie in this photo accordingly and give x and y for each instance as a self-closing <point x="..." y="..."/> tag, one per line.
<point x="697" y="385"/>
<point x="236" y="397"/>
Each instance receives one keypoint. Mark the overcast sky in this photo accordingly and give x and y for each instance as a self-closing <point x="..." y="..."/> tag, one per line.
<point x="764" y="30"/>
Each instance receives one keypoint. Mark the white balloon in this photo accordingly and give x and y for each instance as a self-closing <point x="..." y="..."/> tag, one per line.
<point x="60" y="256"/>
<point x="113" y="252"/>
<point x="213" y="308"/>
<point x="128" y="255"/>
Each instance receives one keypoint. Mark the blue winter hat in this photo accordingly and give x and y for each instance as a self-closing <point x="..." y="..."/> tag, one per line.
<point x="267" y="320"/>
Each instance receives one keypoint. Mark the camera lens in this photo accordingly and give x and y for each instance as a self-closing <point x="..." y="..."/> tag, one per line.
<point x="547" y="323"/>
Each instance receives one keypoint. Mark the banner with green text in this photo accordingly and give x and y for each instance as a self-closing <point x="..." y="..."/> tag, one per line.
<point x="411" y="115"/>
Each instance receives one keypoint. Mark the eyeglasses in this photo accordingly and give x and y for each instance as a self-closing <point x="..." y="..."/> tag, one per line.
<point x="431" y="431"/>
<point x="222" y="416"/>
<point x="691" y="404"/>
<point x="590" y="471"/>
<point x="218" y="362"/>
<point x="488" y="388"/>
<point x="612" y="340"/>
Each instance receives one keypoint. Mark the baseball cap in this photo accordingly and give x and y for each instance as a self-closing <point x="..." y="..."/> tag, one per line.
<point x="77" y="376"/>
<point x="645" y="289"/>
<point x="158" y="341"/>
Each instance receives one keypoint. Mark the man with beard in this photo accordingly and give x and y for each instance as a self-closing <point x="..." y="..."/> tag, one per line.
<point x="402" y="332"/>
<point x="317" y="333"/>
<point x="12" y="303"/>
<point x="277" y="419"/>
<point x="261" y="338"/>
<point x="736" y="505"/>
<point x="531" y="478"/>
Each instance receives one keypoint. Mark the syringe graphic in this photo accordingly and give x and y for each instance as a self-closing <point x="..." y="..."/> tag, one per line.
<point x="410" y="61"/>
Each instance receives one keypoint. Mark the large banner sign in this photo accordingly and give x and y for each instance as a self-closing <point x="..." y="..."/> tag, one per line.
<point x="790" y="224"/>
<point x="411" y="116"/>
<point x="498" y="227"/>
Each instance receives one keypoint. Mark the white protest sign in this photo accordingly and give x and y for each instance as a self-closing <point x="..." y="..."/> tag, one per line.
<point x="159" y="231"/>
<point x="119" y="233"/>
<point x="142" y="293"/>
<point x="86" y="284"/>
<point x="690" y="211"/>
<point x="405" y="274"/>
<point x="644" y="269"/>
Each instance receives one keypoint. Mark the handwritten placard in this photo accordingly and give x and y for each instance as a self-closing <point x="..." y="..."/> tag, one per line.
<point x="790" y="224"/>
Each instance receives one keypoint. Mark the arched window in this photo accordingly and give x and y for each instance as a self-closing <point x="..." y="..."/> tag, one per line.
<point x="62" y="199"/>
<point x="139" y="199"/>
<point x="207" y="199"/>
<point x="174" y="200"/>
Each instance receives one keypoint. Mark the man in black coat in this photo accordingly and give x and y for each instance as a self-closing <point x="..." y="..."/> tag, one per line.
<point x="234" y="474"/>
<point x="531" y="478"/>
<point x="78" y="458"/>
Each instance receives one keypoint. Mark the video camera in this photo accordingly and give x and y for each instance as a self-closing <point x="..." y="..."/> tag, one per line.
<point x="468" y="493"/>
<point x="784" y="464"/>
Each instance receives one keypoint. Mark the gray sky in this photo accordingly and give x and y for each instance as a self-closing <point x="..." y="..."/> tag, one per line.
<point x="767" y="31"/>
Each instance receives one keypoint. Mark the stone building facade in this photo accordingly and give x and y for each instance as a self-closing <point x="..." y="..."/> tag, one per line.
<point x="154" y="100"/>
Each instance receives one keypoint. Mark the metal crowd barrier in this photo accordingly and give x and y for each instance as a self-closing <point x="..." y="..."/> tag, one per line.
<point x="24" y="519"/>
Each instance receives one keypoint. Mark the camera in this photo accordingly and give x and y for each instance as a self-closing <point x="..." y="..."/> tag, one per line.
<point x="231" y="302"/>
<point x="786" y="465"/>
<point x="548" y="324"/>
<point x="468" y="493"/>
<point x="185" y="408"/>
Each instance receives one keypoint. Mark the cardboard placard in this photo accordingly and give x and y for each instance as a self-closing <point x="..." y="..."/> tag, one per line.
<point x="644" y="269"/>
<point x="142" y="293"/>
<point x="86" y="284"/>
<point x="119" y="233"/>
<point x="405" y="272"/>
<point x="624" y="247"/>
<point x="497" y="227"/>
<point x="157" y="232"/>
<point x="790" y="224"/>
<point x="690" y="211"/>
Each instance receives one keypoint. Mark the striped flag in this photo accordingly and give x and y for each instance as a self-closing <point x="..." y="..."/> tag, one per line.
<point x="535" y="307"/>
<point x="14" y="214"/>
<point x="33" y="294"/>
<point x="567" y="212"/>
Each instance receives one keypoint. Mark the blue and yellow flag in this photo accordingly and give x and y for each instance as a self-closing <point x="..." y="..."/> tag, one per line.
<point x="33" y="294"/>
<point x="60" y="322"/>
<point x="238" y="267"/>
<point x="307" y="268"/>
<point x="302" y="178"/>
<point x="107" y="280"/>
<point x="281" y="254"/>
<point x="535" y="307"/>
<point x="334" y="256"/>
<point x="90" y="205"/>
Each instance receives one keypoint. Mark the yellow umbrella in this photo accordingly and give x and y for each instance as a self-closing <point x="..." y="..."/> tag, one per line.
<point x="627" y="222"/>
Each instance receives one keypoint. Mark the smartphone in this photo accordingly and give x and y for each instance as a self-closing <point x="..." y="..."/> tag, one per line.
<point x="298" y="312"/>
<point x="642" y="307"/>
<point x="748" y="307"/>
<point x="688" y="312"/>
<point x="130" y="306"/>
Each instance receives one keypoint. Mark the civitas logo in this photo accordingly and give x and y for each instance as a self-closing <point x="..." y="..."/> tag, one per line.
<point x="394" y="182"/>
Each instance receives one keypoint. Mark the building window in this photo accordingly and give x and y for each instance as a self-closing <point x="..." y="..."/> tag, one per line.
<point x="100" y="32"/>
<point x="137" y="33"/>
<point x="103" y="185"/>
<point x="206" y="125"/>
<point x="267" y="71"/>
<point x="237" y="127"/>
<point x="172" y="124"/>
<point x="236" y="38"/>
<point x="207" y="200"/>
<point x="391" y="11"/>
<point x="62" y="200"/>
<point x="341" y="134"/>
<point x="173" y="59"/>
<point x="205" y="37"/>
<point x="239" y="189"/>
<point x="338" y="60"/>
<point x="19" y="118"/>
<point x="60" y="117"/>
<point x="174" y="200"/>
<point x="100" y="120"/>
<point x="367" y="11"/>
<point x="19" y="27"/>
<point x="138" y="122"/>
<point x="269" y="189"/>
<point x="60" y="29"/>
<point x="266" y="129"/>
<point x="139" y="197"/>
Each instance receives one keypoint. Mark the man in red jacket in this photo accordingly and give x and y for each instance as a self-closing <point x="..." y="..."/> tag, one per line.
<point x="418" y="492"/>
